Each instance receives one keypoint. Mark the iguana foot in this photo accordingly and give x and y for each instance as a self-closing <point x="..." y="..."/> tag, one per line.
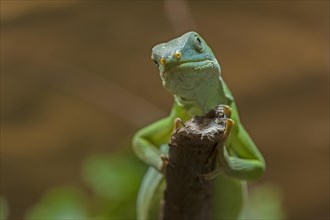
<point x="227" y="123"/>
<point x="223" y="111"/>
<point x="165" y="160"/>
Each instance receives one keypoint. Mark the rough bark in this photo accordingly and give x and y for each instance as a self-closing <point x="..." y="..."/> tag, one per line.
<point x="192" y="154"/>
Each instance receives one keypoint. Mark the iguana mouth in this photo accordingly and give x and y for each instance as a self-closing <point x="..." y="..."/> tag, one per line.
<point x="195" y="64"/>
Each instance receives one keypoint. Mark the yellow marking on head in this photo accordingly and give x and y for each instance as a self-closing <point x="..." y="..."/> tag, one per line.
<point x="162" y="60"/>
<point x="177" y="54"/>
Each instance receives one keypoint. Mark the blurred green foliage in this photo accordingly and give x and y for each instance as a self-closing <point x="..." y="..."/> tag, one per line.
<point x="112" y="177"/>
<point x="3" y="208"/>
<point x="60" y="203"/>
<point x="265" y="202"/>
<point x="113" y="181"/>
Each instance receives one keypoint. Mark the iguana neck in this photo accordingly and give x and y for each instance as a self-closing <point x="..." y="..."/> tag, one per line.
<point x="204" y="99"/>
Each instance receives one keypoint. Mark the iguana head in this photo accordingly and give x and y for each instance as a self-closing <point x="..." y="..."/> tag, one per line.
<point x="186" y="64"/>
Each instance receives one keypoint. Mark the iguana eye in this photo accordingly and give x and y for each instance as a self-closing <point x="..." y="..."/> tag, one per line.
<point x="198" y="44"/>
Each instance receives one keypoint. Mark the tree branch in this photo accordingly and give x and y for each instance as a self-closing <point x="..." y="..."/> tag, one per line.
<point x="192" y="155"/>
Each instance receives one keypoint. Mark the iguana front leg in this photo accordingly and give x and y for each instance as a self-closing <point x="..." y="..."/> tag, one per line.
<point x="147" y="141"/>
<point x="240" y="157"/>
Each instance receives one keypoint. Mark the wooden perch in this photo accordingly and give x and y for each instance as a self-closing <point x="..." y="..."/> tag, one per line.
<point x="192" y="155"/>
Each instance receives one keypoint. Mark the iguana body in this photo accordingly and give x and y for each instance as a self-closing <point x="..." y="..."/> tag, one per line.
<point x="190" y="71"/>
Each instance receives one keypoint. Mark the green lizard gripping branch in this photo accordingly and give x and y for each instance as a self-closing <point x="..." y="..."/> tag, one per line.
<point x="190" y="71"/>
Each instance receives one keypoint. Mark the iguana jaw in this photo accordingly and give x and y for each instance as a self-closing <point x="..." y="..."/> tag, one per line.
<point x="188" y="65"/>
<point x="186" y="79"/>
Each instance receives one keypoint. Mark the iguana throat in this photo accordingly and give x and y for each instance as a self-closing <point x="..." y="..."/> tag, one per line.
<point x="197" y="89"/>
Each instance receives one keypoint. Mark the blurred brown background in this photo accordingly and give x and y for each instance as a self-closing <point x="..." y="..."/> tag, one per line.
<point x="77" y="79"/>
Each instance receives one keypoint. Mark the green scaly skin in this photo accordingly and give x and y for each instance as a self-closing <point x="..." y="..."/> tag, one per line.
<point x="190" y="71"/>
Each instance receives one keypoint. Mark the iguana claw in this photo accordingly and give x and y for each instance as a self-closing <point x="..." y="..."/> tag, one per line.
<point x="178" y="123"/>
<point x="165" y="160"/>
